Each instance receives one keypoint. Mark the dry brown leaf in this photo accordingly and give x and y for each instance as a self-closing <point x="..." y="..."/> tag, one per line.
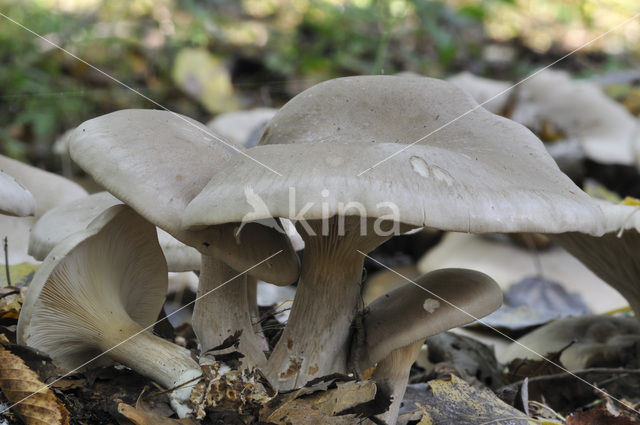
<point x="17" y="381"/>
<point x="321" y="407"/>
<point x="140" y="415"/>
<point x="598" y="417"/>
<point x="11" y="298"/>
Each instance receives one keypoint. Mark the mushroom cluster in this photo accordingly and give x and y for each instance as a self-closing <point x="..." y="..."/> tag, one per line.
<point x="352" y="162"/>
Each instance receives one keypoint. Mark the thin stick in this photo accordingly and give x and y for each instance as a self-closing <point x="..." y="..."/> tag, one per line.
<point x="6" y="261"/>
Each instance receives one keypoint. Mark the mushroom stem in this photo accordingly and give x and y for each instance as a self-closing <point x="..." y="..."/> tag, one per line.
<point x="229" y="306"/>
<point x="316" y="339"/>
<point x="254" y="310"/>
<point x="166" y="363"/>
<point x="392" y="374"/>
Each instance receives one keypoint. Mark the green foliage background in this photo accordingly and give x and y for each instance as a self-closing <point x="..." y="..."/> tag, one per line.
<point x="270" y="50"/>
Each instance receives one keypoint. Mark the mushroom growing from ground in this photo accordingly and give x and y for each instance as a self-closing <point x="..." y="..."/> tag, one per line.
<point x="98" y="292"/>
<point x="353" y="174"/>
<point x="397" y="323"/>
<point x="156" y="162"/>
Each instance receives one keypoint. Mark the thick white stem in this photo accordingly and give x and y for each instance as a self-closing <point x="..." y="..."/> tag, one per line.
<point x="393" y="373"/>
<point x="222" y="311"/>
<point x="166" y="363"/>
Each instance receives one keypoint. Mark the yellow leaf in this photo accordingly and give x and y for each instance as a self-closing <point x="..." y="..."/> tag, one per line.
<point x="21" y="274"/>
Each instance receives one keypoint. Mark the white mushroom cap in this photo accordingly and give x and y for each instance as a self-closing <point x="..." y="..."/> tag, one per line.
<point x="484" y="173"/>
<point x="156" y="162"/>
<point x="581" y="110"/>
<point x="60" y="222"/>
<point x="14" y="198"/>
<point x="488" y="256"/>
<point x="48" y="189"/>
<point x="483" y="89"/>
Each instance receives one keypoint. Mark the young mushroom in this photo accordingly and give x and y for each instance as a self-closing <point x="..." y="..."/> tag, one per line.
<point x="98" y="292"/>
<point x="156" y="162"/>
<point x="353" y="176"/>
<point x="396" y="324"/>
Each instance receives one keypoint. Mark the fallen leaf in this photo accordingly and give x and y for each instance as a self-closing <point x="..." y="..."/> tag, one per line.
<point x="140" y="415"/>
<point x="21" y="274"/>
<point x="328" y="407"/>
<point x="599" y="416"/>
<point x="453" y="401"/>
<point x="17" y="381"/>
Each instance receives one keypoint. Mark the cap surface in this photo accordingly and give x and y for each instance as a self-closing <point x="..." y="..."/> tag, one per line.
<point x="482" y="173"/>
<point x="156" y="162"/>
<point x="64" y="220"/>
<point x="15" y="199"/>
<point x="48" y="189"/>
<point x="433" y="303"/>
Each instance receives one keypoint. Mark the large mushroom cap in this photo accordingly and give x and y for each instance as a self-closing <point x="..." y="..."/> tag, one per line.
<point x="60" y="222"/>
<point x="48" y="189"/>
<point x="15" y="200"/>
<point x="481" y="173"/>
<point x="115" y="264"/>
<point x="156" y="162"/>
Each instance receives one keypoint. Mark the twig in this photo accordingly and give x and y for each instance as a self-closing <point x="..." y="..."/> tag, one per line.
<point x="6" y="261"/>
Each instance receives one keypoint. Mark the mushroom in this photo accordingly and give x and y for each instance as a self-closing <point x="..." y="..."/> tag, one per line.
<point x="488" y="255"/>
<point x="15" y="200"/>
<point x="98" y="292"/>
<point x="59" y="222"/>
<point x="397" y="323"/>
<point x="48" y="189"/>
<point x="243" y="128"/>
<point x="582" y="111"/>
<point x="156" y="162"/>
<point x="584" y="342"/>
<point x="353" y="175"/>
<point x="613" y="256"/>
<point x="494" y="92"/>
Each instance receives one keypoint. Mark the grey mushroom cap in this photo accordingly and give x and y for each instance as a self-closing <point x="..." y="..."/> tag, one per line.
<point x="156" y="162"/>
<point x="15" y="199"/>
<point x="48" y="189"/>
<point x="433" y="303"/>
<point x="64" y="220"/>
<point x="484" y="173"/>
